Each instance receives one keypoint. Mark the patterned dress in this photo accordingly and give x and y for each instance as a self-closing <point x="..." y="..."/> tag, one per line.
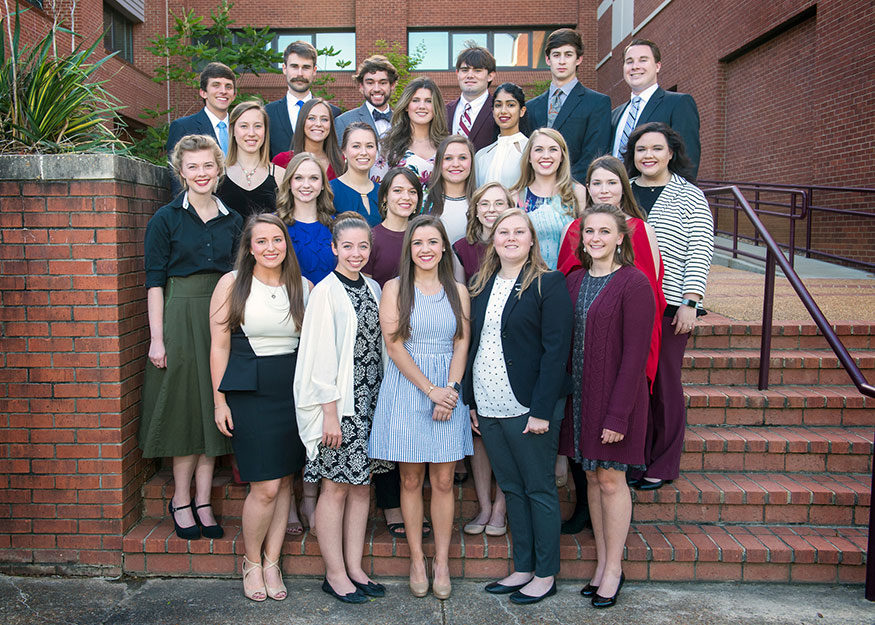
<point x="549" y="218"/>
<point x="350" y="463"/>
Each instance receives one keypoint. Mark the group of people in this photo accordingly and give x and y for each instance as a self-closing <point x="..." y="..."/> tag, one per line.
<point x="377" y="295"/>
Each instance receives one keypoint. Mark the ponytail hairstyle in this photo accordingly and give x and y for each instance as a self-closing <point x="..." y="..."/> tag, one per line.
<point x="290" y="272"/>
<point x="625" y="253"/>
<point x="348" y="220"/>
<point x="407" y="275"/>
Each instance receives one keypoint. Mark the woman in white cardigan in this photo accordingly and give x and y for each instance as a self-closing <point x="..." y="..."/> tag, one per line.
<point x="335" y="396"/>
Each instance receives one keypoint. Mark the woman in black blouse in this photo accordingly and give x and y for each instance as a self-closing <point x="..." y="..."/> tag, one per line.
<point x="189" y="245"/>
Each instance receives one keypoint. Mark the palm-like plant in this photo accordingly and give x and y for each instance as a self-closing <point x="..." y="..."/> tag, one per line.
<point x="51" y="103"/>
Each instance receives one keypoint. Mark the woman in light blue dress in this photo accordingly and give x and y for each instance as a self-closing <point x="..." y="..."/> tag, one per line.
<point x="419" y="420"/>
<point x="547" y="192"/>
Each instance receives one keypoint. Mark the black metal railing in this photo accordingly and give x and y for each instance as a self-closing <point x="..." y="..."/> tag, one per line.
<point x="774" y="256"/>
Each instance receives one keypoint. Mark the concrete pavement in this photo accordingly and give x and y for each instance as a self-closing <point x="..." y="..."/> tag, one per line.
<point x="78" y="601"/>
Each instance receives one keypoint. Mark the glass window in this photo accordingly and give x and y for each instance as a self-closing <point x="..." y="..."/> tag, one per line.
<point x="342" y="43"/>
<point x="511" y="49"/>
<point x="436" y="46"/>
<point x="517" y="49"/>
<point x="119" y="35"/>
<point x="466" y="40"/>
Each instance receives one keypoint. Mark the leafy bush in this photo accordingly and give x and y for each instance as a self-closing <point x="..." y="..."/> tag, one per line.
<point x="404" y="64"/>
<point x="51" y="103"/>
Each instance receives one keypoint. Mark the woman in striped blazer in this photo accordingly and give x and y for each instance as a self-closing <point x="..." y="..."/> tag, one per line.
<point x="679" y="214"/>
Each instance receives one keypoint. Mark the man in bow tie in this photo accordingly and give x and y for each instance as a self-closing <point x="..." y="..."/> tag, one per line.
<point x="471" y="114"/>
<point x="376" y="78"/>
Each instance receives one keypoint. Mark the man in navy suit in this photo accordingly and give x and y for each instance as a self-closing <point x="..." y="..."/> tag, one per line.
<point x="217" y="88"/>
<point x="376" y="78"/>
<point x="581" y="115"/>
<point x="471" y="113"/>
<point x="299" y="68"/>
<point x="641" y="65"/>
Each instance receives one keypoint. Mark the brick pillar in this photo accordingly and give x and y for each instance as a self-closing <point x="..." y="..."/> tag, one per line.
<point x="73" y="341"/>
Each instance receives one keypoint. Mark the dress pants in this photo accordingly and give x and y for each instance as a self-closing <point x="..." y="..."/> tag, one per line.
<point x="524" y="466"/>
<point x="667" y="420"/>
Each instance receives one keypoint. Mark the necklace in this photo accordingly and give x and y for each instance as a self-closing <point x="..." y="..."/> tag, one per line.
<point x="249" y="173"/>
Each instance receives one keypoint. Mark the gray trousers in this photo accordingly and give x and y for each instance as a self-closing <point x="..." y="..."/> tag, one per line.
<point x="524" y="466"/>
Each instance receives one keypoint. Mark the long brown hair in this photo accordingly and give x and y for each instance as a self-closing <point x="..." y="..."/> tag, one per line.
<point x="290" y="274"/>
<point x="564" y="182"/>
<point x="285" y="201"/>
<point x="397" y="139"/>
<point x="264" y="150"/>
<point x="406" y="277"/>
<point x="535" y="265"/>
<point x="626" y="255"/>
<point x="614" y="165"/>
<point x="434" y="203"/>
<point x="329" y="144"/>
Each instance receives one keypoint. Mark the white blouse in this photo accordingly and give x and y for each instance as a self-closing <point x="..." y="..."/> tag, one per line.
<point x="455" y="218"/>
<point x="500" y="161"/>
<point x="492" y="390"/>
<point x="266" y="321"/>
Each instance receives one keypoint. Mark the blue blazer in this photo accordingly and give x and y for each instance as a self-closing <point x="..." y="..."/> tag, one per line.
<point x="281" y="131"/>
<point x="584" y="122"/>
<point x="197" y="124"/>
<point x="677" y="110"/>
<point x="536" y="340"/>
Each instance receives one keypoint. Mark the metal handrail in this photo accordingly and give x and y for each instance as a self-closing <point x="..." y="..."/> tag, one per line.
<point x="773" y="255"/>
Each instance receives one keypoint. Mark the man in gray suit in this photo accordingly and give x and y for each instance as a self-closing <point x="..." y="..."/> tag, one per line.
<point x="376" y="78"/>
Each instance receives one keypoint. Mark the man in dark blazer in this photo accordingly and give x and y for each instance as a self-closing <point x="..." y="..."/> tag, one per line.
<point x="376" y="78"/>
<point x="581" y="115"/>
<point x="299" y="68"/>
<point x="471" y="113"/>
<point x="641" y="65"/>
<point x="217" y="88"/>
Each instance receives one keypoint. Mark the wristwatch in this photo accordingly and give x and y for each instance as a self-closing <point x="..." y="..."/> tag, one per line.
<point x="690" y="302"/>
<point x="456" y="387"/>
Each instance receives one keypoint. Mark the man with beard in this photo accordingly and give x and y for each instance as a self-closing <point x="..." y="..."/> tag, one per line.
<point x="376" y="78"/>
<point x="299" y="68"/>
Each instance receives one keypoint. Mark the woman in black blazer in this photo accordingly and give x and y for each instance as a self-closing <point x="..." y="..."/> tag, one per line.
<point x="520" y="336"/>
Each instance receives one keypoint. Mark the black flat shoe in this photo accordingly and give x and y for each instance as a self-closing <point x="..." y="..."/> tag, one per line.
<point x="589" y="590"/>
<point x="192" y="532"/>
<point x="371" y="589"/>
<point x="351" y="597"/>
<point x="606" y="602"/>
<point x="207" y="531"/>
<point x="497" y="588"/>
<point x="643" y="484"/>
<point x="522" y="599"/>
<point x="578" y="522"/>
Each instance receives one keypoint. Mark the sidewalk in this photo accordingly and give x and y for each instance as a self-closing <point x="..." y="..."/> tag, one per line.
<point x="77" y="601"/>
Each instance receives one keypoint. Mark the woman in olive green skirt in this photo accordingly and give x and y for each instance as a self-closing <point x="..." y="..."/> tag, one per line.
<point x="190" y="244"/>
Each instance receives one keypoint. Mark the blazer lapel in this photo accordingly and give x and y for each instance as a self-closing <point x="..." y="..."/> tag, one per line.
<point x="571" y="103"/>
<point x="205" y="126"/>
<point x="652" y="104"/>
<point x="513" y="298"/>
<point x="478" y="314"/>
<point x="285" y="122"/>
<point x="365" y="116"/>
<point x="482" y="117"/>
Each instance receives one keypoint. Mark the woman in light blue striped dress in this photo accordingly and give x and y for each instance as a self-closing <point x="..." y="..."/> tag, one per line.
<point x="419" y="420"/>
<point x="547" y="192"/>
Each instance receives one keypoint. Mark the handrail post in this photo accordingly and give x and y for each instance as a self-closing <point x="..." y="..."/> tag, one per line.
<point x="810" y="221"/>
<point x="735" y="209"/>
<point x="768" y="305"/>
<point x="793" y="230"/>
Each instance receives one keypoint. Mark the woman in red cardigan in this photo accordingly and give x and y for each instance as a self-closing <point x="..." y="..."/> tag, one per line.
<point x="606" y="421"/>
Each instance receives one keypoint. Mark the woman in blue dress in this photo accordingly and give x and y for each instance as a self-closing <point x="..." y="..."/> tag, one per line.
<point x="354" y="190"/>
<point x="419" y="420"/>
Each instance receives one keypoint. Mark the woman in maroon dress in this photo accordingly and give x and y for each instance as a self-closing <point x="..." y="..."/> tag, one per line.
<point x="400" y="196"/>
<point x="606" y="421"/>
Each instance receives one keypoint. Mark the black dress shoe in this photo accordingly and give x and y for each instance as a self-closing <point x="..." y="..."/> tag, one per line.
<point x="606" y="602"/>
<point x="371" y="589"/>
<point x="207" y="531"/>
<point x="497" y="588"/>
<point x="589" y="590"/>
<point x="643" y="484"/>
<point x="578" y="522"/>
<point x="523" y="599"/>
<point x="351" y="597"/>
<point x="192" y="532"/>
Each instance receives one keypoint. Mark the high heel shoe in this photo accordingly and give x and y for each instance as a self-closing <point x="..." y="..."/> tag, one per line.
<point x="277" y="593"/>
<point x="193" y="532"/>
<point x="420" y="589"/>
<point x="589" y="590"/>
<point x="255" y="595"/>
<point x="207" y="531"/>
<point x="606" y="602"/>
<point x="441" y="591"/>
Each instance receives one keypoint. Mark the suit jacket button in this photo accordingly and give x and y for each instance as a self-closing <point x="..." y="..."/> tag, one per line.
<point x="510" y="363"/>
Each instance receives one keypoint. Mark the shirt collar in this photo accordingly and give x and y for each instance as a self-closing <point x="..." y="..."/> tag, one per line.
<point x="215" y="120"/>
<point x="477" y="102"/>
<point x="565" y="89"/>
<point x="222" y="208"/>
<point x="647" y="93"/>
<point x="372" y="108"/>
<point x="293" y="98"/>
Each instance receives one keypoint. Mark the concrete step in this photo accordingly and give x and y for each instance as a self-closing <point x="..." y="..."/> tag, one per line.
<point x="671" y="551"/>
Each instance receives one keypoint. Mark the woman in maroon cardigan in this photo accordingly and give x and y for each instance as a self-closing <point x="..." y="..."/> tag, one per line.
<point x="606" y="423"/>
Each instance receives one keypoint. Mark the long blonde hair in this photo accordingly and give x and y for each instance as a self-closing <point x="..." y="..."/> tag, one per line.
<point x="535" y="265"/>
<point x="564" y="184"/>
<point x="285" y="203"/>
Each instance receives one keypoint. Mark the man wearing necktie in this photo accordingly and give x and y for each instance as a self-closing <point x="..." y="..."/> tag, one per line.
<point x="376" y="78"/>
<point x="217" y="89"/>
<point x="470" y="114"/>
<point x="581" y="115"/>
<point x="651" y="103"/>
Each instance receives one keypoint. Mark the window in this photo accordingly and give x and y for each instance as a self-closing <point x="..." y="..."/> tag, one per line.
<point x="119" y="33"/>
<point x="341" y="42"/>
<point x="512" y="48"/>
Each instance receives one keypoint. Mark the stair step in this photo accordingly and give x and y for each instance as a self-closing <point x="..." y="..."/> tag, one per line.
<point x="673" y="551"/>
<point x="778" y="449"/>
<point x="717" y="332"/>
<point x="783" y="405"/>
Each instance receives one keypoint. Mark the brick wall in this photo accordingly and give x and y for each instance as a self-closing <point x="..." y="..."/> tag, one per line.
<point x="74" y="331"/>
